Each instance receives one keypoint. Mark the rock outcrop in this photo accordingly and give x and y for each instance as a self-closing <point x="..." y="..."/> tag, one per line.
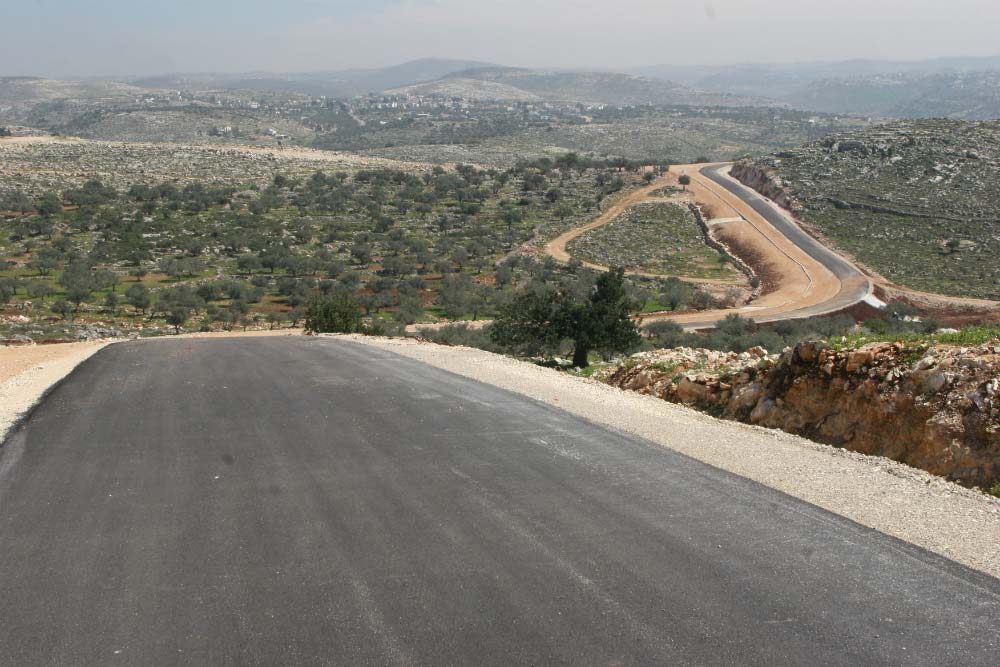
<point x="766" y="182"/>
<point x="935" y="408"/>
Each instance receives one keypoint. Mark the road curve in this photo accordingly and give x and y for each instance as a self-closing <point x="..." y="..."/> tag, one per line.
<point x="855" y="285"/>
<point x="813" y="279"/>
<point x="311" y="501"/>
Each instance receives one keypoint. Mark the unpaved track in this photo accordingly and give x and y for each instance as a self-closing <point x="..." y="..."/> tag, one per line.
<point x="26" y="373"/>
<point x="557" y="246"/>
<point x="17" y="359"/>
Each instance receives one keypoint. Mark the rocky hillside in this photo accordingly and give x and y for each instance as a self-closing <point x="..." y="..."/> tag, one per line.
<point x="933" y="407"/>
<point x="917" y="201"/>
<point x="960" y="88"/>
<point x="958" y="95"/>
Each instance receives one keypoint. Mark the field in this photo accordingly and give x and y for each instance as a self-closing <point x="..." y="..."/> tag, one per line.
<point x="155" y="238"/>
<point x="654" y="238"/>
<point x="676" y="135"/>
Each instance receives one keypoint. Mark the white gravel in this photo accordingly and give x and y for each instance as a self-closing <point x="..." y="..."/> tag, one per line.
<point x="904" y="502"/>
<point x="19" y="393"/>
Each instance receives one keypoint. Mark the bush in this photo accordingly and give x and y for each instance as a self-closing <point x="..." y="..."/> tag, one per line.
<point x="338" y="313"/>
<point x="665" y="334"/>
<point x="995" y="489"/>
<point x="461" y="334"/>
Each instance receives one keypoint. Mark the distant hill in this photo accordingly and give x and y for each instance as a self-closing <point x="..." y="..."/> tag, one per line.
<point x="20" y="96"/>
<point x="24" y="89"/>
<point x="342" y="83"/>
<point x="965" y="88"/>
<point x="584" y="87"/>
<point x="960" y="95"/>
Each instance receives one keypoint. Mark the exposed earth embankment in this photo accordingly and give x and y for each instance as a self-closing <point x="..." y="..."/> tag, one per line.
<point x="935" y="408"/>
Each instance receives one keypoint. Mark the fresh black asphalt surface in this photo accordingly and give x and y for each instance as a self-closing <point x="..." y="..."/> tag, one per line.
<point x="286" y="501"/>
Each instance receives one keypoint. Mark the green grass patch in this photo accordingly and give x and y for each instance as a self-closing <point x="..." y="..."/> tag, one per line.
<point x="977" y="335"/>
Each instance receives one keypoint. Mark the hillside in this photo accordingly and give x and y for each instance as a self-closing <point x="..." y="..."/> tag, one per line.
<point x="917" y="201"/>
<point x="20" y="96"/>
<point x="105" y="237"/>
<point x="116" y="111"/>
<point x="488" y="133"/>
<point x="16" y="90"/>
<point x="962" y="96"/>
<point x="335" y="83"/>
<point x="583" y="87"/>
<point x="960" y="88"/>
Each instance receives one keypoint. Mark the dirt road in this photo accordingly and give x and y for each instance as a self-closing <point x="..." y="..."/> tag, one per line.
<point x="557" y="246"/>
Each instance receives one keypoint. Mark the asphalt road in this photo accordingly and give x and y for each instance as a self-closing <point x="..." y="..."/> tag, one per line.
<point x="278" y="501"/>
<point x="855" y="286"/>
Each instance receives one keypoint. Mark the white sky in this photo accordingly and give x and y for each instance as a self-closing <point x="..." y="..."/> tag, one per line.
<point x="78" y="37"/>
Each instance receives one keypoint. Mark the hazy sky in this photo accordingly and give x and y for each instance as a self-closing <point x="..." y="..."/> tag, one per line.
<point x="81" y="37"/>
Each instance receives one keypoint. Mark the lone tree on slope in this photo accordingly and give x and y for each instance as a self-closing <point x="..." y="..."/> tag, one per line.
<point x="542" y="319"/>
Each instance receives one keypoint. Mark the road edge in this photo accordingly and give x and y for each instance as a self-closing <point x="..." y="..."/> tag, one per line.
<point x="905" y="503"/>
<point x="21" y="394"/>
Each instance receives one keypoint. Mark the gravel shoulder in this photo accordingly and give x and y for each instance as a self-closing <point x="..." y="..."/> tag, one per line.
<point x="903" y="502"/>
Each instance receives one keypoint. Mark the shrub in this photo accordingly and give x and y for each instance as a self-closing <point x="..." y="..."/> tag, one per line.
<point x="665" y="334"/>
<point x="338" y="313"/>
<point x="461" y="334"/>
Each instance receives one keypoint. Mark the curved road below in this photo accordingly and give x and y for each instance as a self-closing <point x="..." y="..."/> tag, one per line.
<point x="310" y="501"/>
<point x="813" y="281"/>
<point x="808" y="279"/>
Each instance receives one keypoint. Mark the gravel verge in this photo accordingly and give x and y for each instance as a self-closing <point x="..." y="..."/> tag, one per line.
<point x="26" y="374"/>
<point x="907" y="503"/>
